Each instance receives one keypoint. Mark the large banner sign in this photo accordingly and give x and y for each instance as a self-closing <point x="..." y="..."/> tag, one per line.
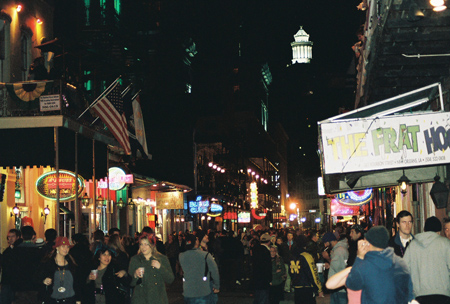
<point x="386" y="143"/>
<point x="46" y="185"/>
<point x="169" y="200"/>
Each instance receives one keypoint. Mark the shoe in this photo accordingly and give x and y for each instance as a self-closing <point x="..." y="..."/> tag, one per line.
<point x="237" y="282"/>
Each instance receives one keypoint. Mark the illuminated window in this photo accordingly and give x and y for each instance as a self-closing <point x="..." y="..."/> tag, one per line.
<point x="264" y="115"/>
<point x="88" y="84"/>
<point x="4" y="28"/>
<point x="87" y="4"/>
<point x="117" y="6"/>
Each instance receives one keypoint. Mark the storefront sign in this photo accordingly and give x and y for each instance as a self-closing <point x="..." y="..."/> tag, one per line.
<point x="46" y="185"/>
<point x="215" y="210"/>
<point x="243" y="217"/>
<point x="198" y="206"/>
<point x="355" y="198"/>
<point x="169" y="200"/>
<point x="340" y="209"/>
<point x="49" y="103"/>
<point x="230" y="215"/>
<point x="118" y="179"/>
<point x="389" y="142"/>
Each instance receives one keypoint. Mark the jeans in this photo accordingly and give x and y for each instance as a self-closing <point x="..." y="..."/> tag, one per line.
<point x="338" y="298"/>
<point x="261" y="296"/>
<point x="304" y="296"/>
<point x="433" y="299"/>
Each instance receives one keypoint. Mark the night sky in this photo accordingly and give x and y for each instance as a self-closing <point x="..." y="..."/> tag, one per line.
<point x="267" y="29"/>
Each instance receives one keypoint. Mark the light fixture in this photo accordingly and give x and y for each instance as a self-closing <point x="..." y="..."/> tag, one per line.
<point x="45" y="213"/>
<point x="439" y="193"/>
<point x="39" y="21"/>
<point x="85" y="200"/>
<point x="438" y="5"/>
<point x="210" y="164"/>
<point x="403" y="183"/>
<point x="120" y="203"/>
<point x="19" y="8"/>
<point x="293" y="206"/>
<point x="16" y="211"/>
<point x="131" y="204"/>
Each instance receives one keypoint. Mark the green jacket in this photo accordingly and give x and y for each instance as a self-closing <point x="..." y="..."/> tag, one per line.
<point x="278" y="277"/>
<point x="151" y="288"/>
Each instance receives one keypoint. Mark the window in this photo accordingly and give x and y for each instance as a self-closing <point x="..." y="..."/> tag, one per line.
<point x="88" y="83"/>
<point x="87" y="5"/>
<point x="264" y="115"/>
<point x="25" y="51"/>
<point x="4" y="43"/>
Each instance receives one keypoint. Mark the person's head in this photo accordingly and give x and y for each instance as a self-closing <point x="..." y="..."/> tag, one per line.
<point x="28" y="233"/>
<point x="50" y="235"/>
<point x="114" y="230"/>
<point x="62" y="246"/>
<point x="290" y="236"/>
<point x="148" y="230"/>
<point x="329" y="239"/>
<point x="79" y="238"/>
<point x="447" y="228"/>
<point x="116" y="243"/>
<point x="356" y="232"/>
<point x="432" y="224"/>
<point x="273" y="251"/>
<point x="192" y="241"/>
<point x="13" y="235"/>
<point x="404" y="220"/>
<point x="147" y="244"/>
<point x="99" y="236"/>
<point x="378" y="238"/>
<point x="265" y="238"/>
<point x="103" y="255"/>
<point x="279" y="240"/>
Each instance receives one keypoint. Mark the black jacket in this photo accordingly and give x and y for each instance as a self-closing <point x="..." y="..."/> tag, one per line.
<point x="47" y="269"/>
<point x="25" y="260"/>
<point x="262" y="267"/>
<point x="110" y="282"/>
<point x="395" y="243"/>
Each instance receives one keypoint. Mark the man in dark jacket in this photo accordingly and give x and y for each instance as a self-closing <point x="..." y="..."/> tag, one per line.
<point x="26" y="258"/>
<point x="382" y="276"/>
<point x="403" y="238"/>
<point x="262" y="270"/>
<point x="7" y="293"/>
<point x="356" y="234"/>
<point x="304" y="276"/>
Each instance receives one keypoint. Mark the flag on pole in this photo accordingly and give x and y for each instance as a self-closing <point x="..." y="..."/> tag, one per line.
<point x="110" y="110"/>
<point x="139" y="123"/>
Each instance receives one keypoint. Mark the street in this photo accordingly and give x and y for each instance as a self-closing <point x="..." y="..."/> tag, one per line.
<point x="240" y="295"/>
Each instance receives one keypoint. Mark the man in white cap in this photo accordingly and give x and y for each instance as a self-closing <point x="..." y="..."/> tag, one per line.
<point x="262" y="270"/>
<point x="382" y="276"/>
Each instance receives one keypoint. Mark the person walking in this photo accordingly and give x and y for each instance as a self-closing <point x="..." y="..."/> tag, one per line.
<point x="339" y="257"/>
<point x="428" y="260"/>
<point x="262" y="270"/>
<point x="403" y="238"/>
<point x="356" y="234"/>
<point x="58" y="277"/>
<point x="108" y="284"/>
<point x="382" y="276"/>
<point x="276" y="292"/>
<point x="150" y="271"/>
<point x="172" y="252"/>
<point x="6" y="292"/>
<point x="201" y="281"/>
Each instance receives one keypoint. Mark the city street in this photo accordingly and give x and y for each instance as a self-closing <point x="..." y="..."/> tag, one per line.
<point x="240" y="295"/>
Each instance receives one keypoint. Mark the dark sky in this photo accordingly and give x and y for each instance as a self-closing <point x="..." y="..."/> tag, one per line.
<point x="267" y="29"/>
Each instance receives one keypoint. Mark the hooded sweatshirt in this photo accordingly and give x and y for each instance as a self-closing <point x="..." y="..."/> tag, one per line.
<point x="428" y="259"/>
<point x="383" y="278"/>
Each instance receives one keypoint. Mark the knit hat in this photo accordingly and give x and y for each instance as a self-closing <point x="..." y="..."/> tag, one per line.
<point x="328" y="237"/>
<point x="378" y="237"/>
<point x="433" y="224"/>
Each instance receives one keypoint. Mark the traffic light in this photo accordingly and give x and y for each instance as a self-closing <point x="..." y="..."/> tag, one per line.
<point x="2" y="186"/>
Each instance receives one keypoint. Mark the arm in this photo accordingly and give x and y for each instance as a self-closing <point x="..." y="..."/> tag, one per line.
<point x="338" y="280"/>
<point x="355" y="279"/>
<point x="214" y="271"/>
<point x="132" y="270"/>
<point x="338" y="260"/>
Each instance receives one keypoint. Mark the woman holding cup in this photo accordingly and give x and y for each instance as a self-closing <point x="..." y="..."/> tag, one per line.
<point x="149" y="270"/>
<point x="59" y="277"/>
<point x="108" y="283"/>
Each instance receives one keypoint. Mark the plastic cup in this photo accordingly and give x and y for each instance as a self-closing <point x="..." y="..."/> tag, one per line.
<point x="141" y="271"/>
<point x="320" y="267"/>
<point x="94" y="272"/>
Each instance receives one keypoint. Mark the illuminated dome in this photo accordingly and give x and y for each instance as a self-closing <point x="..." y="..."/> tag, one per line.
<point x="301" y="47"/>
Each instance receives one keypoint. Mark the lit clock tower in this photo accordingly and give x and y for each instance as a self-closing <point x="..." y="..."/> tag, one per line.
<point x="301" y="47"/>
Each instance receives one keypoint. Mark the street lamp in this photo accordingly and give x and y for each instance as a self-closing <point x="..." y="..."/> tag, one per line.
<point x="439" y="193"/>
<point x="120" y="203"/>
<point x="85" y="200"/>
<point x="403" y="183"/>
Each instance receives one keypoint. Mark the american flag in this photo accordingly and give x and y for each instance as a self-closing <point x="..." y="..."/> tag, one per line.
<point x="110" y="110"/>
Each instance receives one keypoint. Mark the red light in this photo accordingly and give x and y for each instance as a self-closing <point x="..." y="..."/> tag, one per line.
<point x="39" y="21"/>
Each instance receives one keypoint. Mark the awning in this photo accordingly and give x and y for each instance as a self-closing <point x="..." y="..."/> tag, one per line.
<point x="372" y="147"/>
<point x="65" y="211"/>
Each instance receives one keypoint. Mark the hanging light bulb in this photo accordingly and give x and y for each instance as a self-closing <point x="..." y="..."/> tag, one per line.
<point x="19" y="8"/>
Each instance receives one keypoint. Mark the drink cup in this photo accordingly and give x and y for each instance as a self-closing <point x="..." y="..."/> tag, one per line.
<point x="320" y="267"/>
<point x="94" y="272"/>
<point x="141" y="271"/>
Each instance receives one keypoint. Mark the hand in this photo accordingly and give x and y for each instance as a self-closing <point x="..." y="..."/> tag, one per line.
<point x="47" y="281"/>
<point x="278" y="270"/>
<point x="327" y="265"/>
<point x="156" y="264"/>
<point x="270" y="283"/>
<point x="321" y="294"/>
<point x="363" y="248"/>
<point x="138" y="274"/>
<point x="216" y="290"/>
<point x="91" y="276"/>
<point x="121" y="274"/>
<point x="325" y="255"/>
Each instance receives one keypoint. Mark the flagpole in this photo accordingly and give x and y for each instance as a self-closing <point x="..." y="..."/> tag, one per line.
<point x="99" y="97"/>
<point x="122" y="94"/>
<point x="135" y="95"/>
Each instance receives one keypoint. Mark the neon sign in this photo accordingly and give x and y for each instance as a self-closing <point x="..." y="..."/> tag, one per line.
<point x="355" y="198"/>
<point x="46" y="185"/>
<point x="199" y="206"/>
<point x="117" y="179"/>
<point x="253" y="195"/>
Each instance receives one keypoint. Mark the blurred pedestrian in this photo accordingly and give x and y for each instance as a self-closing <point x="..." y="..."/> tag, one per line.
<point x="403" y="238"/>
<point x="276" y="290"/>
<point x="6" y="291"/>
<point x="262" y="270"/>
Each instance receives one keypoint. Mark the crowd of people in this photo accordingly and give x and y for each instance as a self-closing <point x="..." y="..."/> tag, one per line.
<point x="355" y="264"/>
